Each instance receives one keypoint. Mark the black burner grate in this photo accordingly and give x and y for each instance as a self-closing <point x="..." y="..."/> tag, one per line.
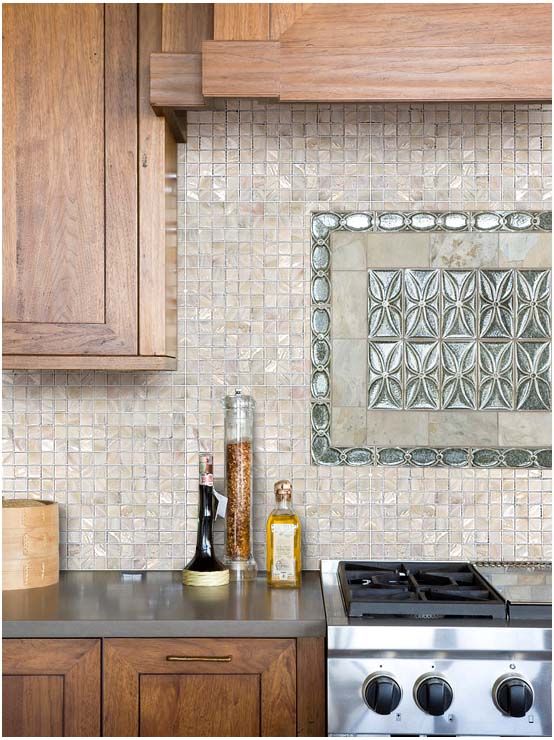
<point x="422" y="590"/>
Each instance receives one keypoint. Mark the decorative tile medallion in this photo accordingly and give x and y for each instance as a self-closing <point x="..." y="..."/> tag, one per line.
<point x="533" y="304"/>
<point x="459" y="317"/>
<point x="438" y="338"/>
<point x="385" y="375"/>
<point x="496" y="293"/>
<point x="458" y="375"/>
<point x="496" y="366"/>
<point x="533" y="375"/>
<point x="421" y="291"/>
<point x="469" y="313"/>
<point x="385" y="303"/>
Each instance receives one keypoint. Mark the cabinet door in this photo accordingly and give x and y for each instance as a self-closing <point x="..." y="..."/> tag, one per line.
<point x="199" y="687"/>
<point x="70" y="179"/>
<point x="50" y="688"/>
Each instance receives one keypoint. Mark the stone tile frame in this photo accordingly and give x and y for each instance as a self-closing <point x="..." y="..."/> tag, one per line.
<point x="322" y="226"/>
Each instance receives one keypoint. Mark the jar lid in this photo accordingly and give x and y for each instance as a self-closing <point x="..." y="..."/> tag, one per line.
<point x="238" y="401"/>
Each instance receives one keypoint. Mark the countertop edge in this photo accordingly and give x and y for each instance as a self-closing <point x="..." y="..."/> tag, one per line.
<point x="163" y="628"/>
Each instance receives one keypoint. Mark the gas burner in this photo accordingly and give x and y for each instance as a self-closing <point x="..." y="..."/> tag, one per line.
<point x="420" y="590"/>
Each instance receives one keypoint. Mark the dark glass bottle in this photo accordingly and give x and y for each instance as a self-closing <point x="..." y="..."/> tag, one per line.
<point x="205" y="569"/>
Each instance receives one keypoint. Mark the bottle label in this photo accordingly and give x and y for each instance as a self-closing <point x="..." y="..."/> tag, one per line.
<point x="283" y="565"/>
<point x="206" y="470"/>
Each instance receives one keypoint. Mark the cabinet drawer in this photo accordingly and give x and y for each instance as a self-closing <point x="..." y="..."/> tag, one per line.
<point x="162" y="687"/>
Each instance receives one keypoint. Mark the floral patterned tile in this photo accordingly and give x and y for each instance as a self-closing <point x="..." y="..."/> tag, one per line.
<point x="534" y="319"/>
<point x="496" y="304"/>
<point x="533" y="375"/>
<point x="496" y="385"/>
<point x="422" y="375"/>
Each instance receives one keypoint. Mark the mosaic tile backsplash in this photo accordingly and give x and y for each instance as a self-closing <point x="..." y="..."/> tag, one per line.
<point x="119" y="450"/>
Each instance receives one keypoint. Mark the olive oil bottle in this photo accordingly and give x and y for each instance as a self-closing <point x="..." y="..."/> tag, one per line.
<point x="283" y="538"/>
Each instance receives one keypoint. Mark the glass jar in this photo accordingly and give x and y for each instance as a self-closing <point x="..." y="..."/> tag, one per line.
<point x="239" y="426"/>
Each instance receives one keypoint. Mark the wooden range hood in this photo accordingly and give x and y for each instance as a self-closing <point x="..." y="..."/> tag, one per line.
<point x="372" y="52"/>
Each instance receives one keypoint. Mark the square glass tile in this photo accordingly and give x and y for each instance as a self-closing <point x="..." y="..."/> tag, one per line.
<point x="534" y="317"/>
<point x="459" y="375"/>
<point x="459" y="318"/>
<point x="422" y="375"/>
<point x="496" y="363"/>
<point x="385" y="375"/>
<point x="496" y="309"/>
<point x="385" y="303"/>
<point x="533" y="375"/>
<point x="421" y="289"/>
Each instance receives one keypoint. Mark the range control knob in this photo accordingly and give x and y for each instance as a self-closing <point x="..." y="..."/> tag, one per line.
<point x="382" y="693"/>
<point x="513" y="696"/>
<point x="433" y="694"/>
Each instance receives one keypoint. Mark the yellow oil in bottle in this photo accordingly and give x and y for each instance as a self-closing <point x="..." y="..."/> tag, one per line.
<point x="283" y="539"/>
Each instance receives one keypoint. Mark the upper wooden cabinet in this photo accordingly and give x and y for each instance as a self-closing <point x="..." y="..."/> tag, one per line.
<point x="368" y="52"/>
<point x="89" y="186"/>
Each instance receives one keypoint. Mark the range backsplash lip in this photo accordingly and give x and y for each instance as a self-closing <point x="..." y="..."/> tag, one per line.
<point x="323" y="223"/>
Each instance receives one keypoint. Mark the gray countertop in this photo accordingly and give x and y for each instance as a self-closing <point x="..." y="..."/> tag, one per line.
<point x="104" y="604"/>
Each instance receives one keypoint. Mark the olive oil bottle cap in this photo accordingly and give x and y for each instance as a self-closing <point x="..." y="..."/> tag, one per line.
<point x="283" y="489"/>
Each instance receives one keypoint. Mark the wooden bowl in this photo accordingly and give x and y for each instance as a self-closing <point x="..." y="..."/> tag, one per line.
<point x="30" y="543"/>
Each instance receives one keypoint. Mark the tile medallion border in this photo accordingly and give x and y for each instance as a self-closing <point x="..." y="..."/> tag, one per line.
<point x="322" y="226"/>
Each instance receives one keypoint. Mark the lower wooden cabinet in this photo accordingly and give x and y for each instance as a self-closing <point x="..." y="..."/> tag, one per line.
<point x="168" y="687"/>
<point x="50" y="688"/>
<point x="204" y="687"/>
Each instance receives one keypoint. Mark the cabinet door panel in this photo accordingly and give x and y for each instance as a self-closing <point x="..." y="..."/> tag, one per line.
<point x="57" y="81"/>
<point x="33" y="706"/>
<point x="199" y="705"/>
<point x="250" y="683"/>
<point x="69" y="181"/>
<point x="51" y="687"/>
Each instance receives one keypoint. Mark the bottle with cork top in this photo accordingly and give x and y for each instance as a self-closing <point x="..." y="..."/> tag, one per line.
<point x="283" y="538"/>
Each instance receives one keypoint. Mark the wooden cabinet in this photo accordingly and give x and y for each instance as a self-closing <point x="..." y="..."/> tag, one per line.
<point x="200" y="687"/>
<point x="89" y="183"/>
<point x="167" y="687"/>
<point x="346" y="52"/>
<point x="51" y="688"/>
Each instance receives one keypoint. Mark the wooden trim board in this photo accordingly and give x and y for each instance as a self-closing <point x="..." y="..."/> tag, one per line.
<point x="90" y="362"/>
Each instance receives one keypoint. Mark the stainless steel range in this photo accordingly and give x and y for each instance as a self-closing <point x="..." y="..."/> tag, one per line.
<point x="438" y="648"/>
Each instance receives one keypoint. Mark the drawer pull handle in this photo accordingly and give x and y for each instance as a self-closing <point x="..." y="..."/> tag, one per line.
<point x="203" y="658"/>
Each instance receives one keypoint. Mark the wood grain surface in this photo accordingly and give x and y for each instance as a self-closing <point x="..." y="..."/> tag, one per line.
<point x="176" y="706"/>
<point x="127" y="661"/>
<point x="91" y="362"/>
<point x="345" y="52"/>
<point x="53" y="185"/>
<point x="93" y="153"/>
<point x="240" y="68"/>
<point x="311" y="687"/>
<point x="186" y="25"/>
<point x="157" y="192"/>
<point x="176" y="81"/>
<point x="282" y="16"/>
<point x="32" y="706"/>
<point x="241" y="21"/>
<point x="76" y="663"/>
